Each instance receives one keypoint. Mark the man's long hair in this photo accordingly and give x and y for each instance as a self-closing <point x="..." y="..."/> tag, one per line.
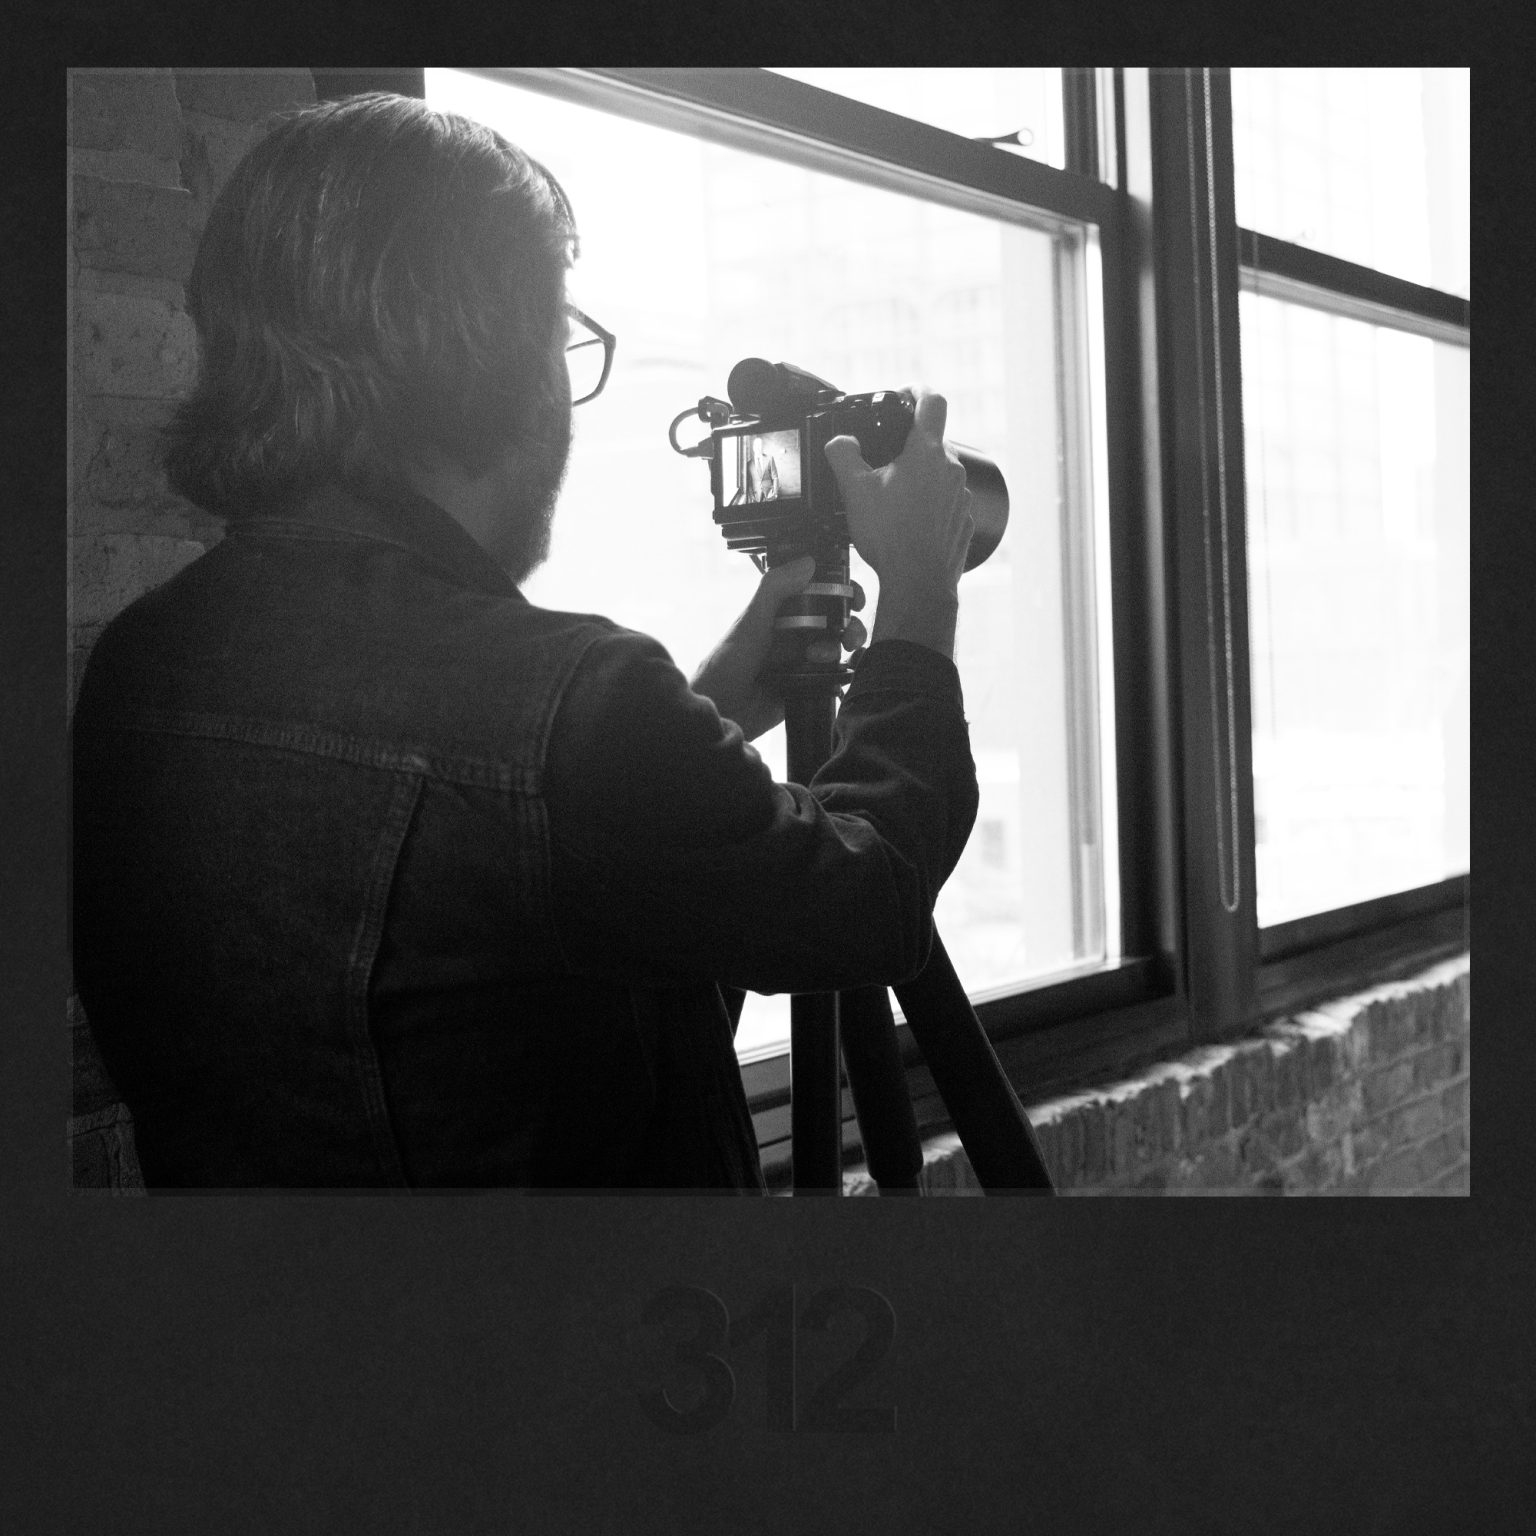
<point x="378" y="282"/>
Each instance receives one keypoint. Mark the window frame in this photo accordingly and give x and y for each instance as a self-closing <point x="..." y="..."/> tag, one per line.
<point x="1380" y="938"/>
<point x="1149" y="156"/>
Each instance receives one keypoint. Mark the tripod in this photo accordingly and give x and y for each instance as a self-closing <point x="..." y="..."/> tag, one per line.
<point x="982" y="1105"/>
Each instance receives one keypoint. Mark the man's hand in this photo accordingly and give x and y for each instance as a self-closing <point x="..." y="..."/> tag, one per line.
<point x="911" y="521"/>
<point x="729" y="678"/>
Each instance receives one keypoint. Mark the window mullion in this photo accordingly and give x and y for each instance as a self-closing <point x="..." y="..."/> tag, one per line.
<point x="1080" y="110"/>
<point x="1146" y="773"/>
<point x="1196" y="235"/>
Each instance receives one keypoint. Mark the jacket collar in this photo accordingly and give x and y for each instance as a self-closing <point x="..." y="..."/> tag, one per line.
<point x="400" y="518"/>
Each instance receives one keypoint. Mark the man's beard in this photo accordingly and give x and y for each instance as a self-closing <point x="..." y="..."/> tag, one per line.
<point x="530" y="483"/>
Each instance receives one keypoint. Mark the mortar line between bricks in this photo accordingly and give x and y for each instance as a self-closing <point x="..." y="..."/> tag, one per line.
<point x="1461" y="1165"/>
<point x="1403" y="1104"/>
<point x="1412" y="1146"/>
<point x="1420" y="1050"/>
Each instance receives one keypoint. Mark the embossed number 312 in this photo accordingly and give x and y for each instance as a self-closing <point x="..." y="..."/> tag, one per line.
<point x="773" y="1317"/>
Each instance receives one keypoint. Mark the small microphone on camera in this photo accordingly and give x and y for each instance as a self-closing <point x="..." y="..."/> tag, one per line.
<point x="760" y="388"/>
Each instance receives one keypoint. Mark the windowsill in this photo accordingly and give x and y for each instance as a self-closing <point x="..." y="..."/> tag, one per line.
<point x="1004" y="1012"/>
<point x="1059" y="1029"/>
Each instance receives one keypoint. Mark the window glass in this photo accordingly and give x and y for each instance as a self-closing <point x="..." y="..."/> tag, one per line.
<point x="1368" y="164"/>
<point x="975" y="103"/>
<point x="696" y="256"/>
<point x="1357" y="467"/>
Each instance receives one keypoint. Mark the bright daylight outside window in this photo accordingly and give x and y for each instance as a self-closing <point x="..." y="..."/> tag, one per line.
<point x="696" y="256"/>
<point x="1369" y="164"/>
<point x="1358" y="501"/>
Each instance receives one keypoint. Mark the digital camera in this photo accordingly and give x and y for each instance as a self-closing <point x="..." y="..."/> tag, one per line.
<point x="776" y="497"/>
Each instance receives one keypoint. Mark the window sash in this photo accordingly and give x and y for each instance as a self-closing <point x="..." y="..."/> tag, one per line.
<point x="1302" y="276"/>
<point x="767" y="114"/>
<point x="1284" y="941"/>
<point x="1295" y="957"/>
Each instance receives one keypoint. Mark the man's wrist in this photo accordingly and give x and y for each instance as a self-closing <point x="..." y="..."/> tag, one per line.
<point x="924" y="614"/>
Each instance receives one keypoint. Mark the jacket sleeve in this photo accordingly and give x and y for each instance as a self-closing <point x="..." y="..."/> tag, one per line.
<point x="675" y="854"/>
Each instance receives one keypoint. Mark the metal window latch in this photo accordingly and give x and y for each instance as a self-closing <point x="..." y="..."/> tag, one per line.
<point x="1023" y="137"/>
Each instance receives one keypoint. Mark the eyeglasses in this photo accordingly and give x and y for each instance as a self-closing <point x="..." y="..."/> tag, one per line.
<point x="589" y="367"/>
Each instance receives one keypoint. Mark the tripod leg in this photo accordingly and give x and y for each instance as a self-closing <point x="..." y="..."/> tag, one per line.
<point x="986" y="1112"/>
<point x="887" y="1125"/>
<point x="816" y="1100"/>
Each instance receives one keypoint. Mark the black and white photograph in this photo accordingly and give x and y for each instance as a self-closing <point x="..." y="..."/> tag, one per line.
<point x="657" y="656"/>
<point x="1007" y="806"/>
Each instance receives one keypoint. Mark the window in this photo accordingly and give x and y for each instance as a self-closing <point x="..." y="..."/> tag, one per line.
<point x="697" y="254"/>
<point x="1359" y="606"/>
<point x="1214" y="325"/>
<point x="1356" y="408"/>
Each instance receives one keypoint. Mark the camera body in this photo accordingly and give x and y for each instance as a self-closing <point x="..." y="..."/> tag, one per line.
<point x="775" y="494"/>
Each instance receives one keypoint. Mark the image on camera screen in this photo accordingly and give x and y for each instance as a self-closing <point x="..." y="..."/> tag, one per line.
<point x="767" y="466"/>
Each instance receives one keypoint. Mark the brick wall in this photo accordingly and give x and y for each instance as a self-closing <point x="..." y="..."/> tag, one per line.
<point x="1368" y="1094"/>
<point x="148" y="151"/>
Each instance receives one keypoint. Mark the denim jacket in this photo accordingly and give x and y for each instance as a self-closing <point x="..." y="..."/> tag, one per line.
<point x="386" y="877"/>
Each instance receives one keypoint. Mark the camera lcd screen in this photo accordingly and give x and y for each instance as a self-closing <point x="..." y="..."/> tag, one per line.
<point x="767" y="466"/>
